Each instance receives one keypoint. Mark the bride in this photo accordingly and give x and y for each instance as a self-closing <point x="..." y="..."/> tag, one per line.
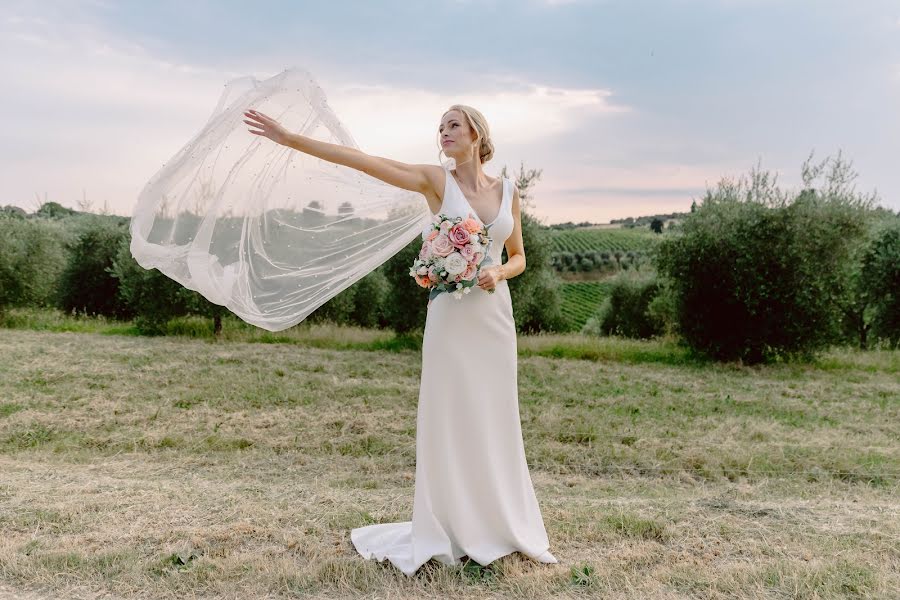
<point x="474" y="495"/>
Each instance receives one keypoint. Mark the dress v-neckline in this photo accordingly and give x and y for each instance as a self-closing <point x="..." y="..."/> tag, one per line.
<point x="469" y="204"/>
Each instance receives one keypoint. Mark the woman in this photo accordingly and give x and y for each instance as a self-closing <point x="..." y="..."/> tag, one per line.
<point x="473" y="493"/>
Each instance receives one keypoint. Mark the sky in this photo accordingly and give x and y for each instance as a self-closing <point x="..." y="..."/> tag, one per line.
<point x="629" y="107"/>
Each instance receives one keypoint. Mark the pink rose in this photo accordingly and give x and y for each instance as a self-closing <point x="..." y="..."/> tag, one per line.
<point x="470" y="271"/>
<point x="433" y="274"/>
<point x="468" y="252"/>
<point x="459" y="236"/>
<point x="442" y="246"/>
<point x="425" y="251"/>
<point x="445" y="226"/>
<point x="434" y="233"/>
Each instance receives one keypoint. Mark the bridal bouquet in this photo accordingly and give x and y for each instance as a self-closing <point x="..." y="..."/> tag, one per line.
<point x="453" y="251"/>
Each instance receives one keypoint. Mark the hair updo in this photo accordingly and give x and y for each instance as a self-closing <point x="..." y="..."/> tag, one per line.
<point x="479" y="124"/>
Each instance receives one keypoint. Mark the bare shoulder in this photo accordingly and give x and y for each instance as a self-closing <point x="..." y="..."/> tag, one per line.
<point x="515" y="195"/>
<point x="437" y="180"/>
<point x="437" y="177"/>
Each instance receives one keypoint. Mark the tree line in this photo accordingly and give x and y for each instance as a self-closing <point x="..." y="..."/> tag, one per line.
<point x="753" y="273"/>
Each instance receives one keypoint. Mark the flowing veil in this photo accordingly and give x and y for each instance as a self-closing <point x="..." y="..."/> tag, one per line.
<point x="267" y="231"/>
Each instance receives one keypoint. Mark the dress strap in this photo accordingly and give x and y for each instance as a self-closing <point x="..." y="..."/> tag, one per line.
<point x="507" y="194"/>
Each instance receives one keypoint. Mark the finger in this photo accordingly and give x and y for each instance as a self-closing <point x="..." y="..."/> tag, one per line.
<point x="261" y="116"/>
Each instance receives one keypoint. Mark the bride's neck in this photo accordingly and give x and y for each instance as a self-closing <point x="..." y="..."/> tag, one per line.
<point x="472" y="175"/>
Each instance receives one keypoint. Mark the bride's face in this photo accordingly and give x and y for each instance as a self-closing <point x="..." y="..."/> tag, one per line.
<point x="457" y="138"/>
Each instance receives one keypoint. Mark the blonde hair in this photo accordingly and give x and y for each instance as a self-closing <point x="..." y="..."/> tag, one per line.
<point x="479" y="124"/>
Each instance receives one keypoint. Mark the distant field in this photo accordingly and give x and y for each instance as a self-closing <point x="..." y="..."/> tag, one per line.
<point x="582" y="299"/>
<point x="577" y="240"/>
<point x="188" y="468"/>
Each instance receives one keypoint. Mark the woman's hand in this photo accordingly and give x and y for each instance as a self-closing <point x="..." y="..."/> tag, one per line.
<point x="270" y="127"/>
<point x="489" y="277"/>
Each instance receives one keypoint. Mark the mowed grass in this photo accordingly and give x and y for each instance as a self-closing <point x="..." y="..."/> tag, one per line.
<point x="178" y="467"/>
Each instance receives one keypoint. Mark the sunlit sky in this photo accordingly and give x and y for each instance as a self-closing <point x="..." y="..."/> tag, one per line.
<point x="629" y="107"/>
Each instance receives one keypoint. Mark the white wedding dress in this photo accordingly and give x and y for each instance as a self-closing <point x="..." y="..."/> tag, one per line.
<point x="473" y="493"/>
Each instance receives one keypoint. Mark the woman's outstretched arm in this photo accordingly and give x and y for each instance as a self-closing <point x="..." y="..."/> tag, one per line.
<point x="415" y="178"/>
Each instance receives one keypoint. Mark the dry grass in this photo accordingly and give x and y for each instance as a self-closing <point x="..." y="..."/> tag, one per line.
<point x="176" y="468"/>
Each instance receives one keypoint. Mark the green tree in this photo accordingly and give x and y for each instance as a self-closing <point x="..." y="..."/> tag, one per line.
<point x="32" y="257"/>
<point x="625" y="311"/>
<point x="152" y="297"/>
<point x="880" y="280"/>
<point x="87" y="284"/>
<point x="759" y="272"/>
<point x="408" y="304"/>
<point x="54" y="210"/>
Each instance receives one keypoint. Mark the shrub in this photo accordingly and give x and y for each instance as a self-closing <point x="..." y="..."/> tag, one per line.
<point x="662" y="309"/>
<point x="372" y="294"/>
<point x="362" y="304"/>
<point x="152" y="297"/>
<point x="880" y="281"/>
<point x="758" y="275"/>
<point x="336" y="309"/>
<point x="32" y="256"/>
<point x="536" y="299"/>
<point x="87" y="284"/>
<point x="13" y="212"/>
<point x="408" y="304"/>
<point x="625" y="311"/>
<point x="54" y="210"/>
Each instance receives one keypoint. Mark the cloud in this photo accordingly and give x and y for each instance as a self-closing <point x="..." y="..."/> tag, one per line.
<point x="404" y="121"/>
<point x="101" y="109"/>
<point x="105" y="112"/>
<point x="98" y="112"/>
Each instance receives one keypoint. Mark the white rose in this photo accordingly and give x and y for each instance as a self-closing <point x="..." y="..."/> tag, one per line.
<point x="455" y="263"/>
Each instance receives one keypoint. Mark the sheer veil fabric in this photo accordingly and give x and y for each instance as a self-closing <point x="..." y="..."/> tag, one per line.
<point x="267" y="231"/>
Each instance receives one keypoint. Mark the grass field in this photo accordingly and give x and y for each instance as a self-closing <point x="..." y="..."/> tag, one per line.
<point x="187" y="468"/>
